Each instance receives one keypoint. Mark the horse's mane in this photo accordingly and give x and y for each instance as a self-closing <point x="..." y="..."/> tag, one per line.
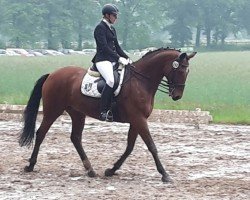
<point x="159" y="50"/>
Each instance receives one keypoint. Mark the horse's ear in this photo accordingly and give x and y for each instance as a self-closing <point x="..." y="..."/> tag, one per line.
<point x="182" y="57"/>
<point x="191" y="55"/>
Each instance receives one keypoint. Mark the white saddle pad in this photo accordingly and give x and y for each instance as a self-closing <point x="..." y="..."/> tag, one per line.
<point x="89" y="84"/>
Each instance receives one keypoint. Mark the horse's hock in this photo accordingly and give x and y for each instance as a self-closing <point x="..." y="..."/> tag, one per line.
<point x="163" y="116"/>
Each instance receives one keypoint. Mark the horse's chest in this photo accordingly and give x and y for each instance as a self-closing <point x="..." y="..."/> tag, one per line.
<point x="143" y="100"/>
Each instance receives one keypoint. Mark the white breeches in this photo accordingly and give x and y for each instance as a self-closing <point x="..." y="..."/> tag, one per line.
<point x="106" y="70"/>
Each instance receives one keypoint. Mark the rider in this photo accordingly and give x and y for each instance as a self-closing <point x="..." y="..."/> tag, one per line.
<point x="108" y="53"/>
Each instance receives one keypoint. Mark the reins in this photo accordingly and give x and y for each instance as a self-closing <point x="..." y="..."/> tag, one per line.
<point x="132" y="72"/>
<point x="163" y="86"/>
<point x="133" y="69"/>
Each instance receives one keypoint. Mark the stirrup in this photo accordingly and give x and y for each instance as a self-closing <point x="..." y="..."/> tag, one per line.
<point x="109" y="116"/>
<point x="106" y="116"/>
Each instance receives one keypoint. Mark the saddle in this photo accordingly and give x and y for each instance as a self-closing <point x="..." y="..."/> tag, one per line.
<point x="93" y="83"/>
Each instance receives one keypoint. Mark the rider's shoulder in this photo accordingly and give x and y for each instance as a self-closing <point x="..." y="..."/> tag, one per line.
<point x="101" y="25"/>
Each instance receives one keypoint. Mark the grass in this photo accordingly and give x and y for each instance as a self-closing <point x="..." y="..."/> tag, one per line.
<point x="18" y="74"/>
<point x="218" y="82"/>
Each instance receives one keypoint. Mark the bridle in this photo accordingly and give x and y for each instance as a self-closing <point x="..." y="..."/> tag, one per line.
<point x="168" y="85"/>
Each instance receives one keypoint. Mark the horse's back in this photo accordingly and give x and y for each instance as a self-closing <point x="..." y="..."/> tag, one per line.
<point x="60" y="85"/>
<point x="64" y="77"/>
<point x="67" y="72"/>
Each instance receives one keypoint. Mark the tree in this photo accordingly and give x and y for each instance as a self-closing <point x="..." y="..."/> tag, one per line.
<point x="3" y="23"/>
<point x="142" y="23"/>
<point x="84" y="15"/>
<point x="19" y="22"/>
<point x="225" y="21"/>
<point x="51" y="13"/>
<point x="215" y="18"/>
<point x="180" y="14"/>
<point x="243" y="14"/>
<point x="139" y="23"/>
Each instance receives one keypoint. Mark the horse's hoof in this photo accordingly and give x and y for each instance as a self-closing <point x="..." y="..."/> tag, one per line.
<point x="92" y="174"/>
<point x="28" y="169"/>
<point x="109" y="172"/>
<point x="166" y="179"/>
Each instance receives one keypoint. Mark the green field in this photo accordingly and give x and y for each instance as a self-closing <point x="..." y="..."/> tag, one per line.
<point x="218" y="82"/>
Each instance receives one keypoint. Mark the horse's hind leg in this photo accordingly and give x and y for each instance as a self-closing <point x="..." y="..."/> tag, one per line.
<point x="78" y="122"/>
<point x="40" y="135"/>
<point x="132" y="135"/>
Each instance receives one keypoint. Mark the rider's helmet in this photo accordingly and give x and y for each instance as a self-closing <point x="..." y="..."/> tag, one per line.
<point x="110" y="9"/>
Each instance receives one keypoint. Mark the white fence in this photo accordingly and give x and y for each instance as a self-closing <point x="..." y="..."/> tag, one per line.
<point x="165" y="116"/>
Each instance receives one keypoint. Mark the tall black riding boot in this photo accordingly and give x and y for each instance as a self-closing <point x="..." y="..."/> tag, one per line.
<point x="106" y="114"/>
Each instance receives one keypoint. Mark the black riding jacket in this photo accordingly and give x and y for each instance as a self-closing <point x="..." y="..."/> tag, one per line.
<point x="107" y="46"/>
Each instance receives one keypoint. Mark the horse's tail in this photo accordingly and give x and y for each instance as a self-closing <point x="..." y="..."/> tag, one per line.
<point x="30" y="113"/>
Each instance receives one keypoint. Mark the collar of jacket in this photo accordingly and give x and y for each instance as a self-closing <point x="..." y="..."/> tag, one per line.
<point x="109" y="24"/>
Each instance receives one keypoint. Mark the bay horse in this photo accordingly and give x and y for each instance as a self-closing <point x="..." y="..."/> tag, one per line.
<point x="60" y="91"/>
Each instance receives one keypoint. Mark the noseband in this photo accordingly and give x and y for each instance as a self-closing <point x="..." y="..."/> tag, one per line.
<point x="168" y="86"/>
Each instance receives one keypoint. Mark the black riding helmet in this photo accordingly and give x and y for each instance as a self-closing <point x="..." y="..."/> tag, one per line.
<point x="110" y="9"/>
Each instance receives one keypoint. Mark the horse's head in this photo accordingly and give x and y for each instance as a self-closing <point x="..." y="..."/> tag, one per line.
<point x="178" y="74"/>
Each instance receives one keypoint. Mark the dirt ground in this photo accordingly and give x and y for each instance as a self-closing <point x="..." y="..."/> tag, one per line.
<point x="212" y="162"/>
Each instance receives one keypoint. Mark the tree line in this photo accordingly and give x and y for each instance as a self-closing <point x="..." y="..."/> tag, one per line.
<point x="141" y="23"/>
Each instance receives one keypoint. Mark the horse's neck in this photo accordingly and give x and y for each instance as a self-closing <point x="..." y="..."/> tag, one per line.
<point x="153" y="68"/>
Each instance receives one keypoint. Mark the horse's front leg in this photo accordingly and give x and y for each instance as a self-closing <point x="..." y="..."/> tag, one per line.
<point x="146" y="137"/>
<point x="132" y="135"/>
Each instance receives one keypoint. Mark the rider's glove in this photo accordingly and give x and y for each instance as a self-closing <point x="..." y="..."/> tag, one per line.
<point x="123" y="61"/>
<point x="129" y="61"/>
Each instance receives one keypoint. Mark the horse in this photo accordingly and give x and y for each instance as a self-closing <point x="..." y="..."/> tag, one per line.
<point x="60" y="92"/>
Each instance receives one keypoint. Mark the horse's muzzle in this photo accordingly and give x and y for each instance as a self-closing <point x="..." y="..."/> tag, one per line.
<point x="175" y="98"/>
<point x="175" y="94"/>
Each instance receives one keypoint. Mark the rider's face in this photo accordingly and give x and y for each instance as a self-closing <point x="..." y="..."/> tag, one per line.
<point x="112" y="18"/>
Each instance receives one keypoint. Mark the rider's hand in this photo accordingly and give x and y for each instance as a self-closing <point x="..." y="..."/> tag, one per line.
<point x="129" y="61"/>
<point x="123" y="61"/>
